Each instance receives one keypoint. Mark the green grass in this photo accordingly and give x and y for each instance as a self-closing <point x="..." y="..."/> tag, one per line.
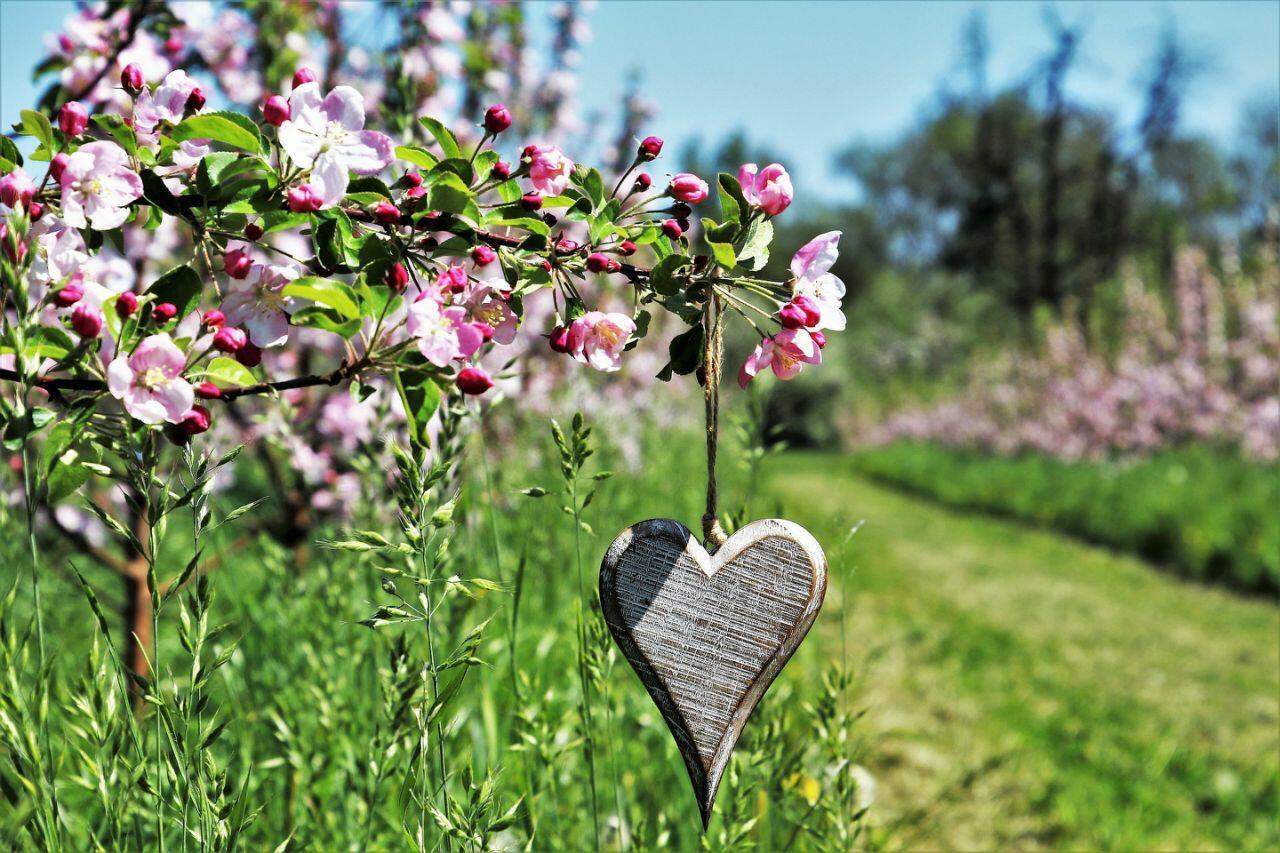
<point x="1021" y="688"/>
<point x="1210" y="515"/>
<point x="1024" y="689"/>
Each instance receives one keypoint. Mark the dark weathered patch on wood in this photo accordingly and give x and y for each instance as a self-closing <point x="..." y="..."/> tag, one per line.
<point x="708" y="633"/>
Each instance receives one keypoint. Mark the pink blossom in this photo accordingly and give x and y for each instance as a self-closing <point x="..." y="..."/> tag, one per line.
<point x="768" y="189"/>
<point x="549" y="169"/>
<point x="598" y="339"/>
<point x="149" y="381"/>
<point x="16" y="188"/>
<point x="443" y="334"/>
<point x="811" y="267"/>
<point x="259" y="305"/>
<point x="688" y="188"/>
<point x="486" y="306"/>
<point x="167" y="105"/>
<point x="97" y="187"/>
<point x="328" y="137"/>
<point x="786" y="353"/>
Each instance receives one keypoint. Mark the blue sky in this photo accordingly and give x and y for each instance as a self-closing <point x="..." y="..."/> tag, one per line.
<point x="807" y="78"/>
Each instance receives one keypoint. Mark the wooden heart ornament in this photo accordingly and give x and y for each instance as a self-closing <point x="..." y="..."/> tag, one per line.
<point x="708" y="633"/>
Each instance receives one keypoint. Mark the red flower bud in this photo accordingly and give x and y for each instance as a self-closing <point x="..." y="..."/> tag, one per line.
<point x="303" y="199"/>
<point x="613" y="266"/>
<point x="819" y="339"/>
<point x="792" y="316"/>
<point x="565" y="246"/>
<point x="303" y="75"/>
<point x="86" y="321"/>
<point x="173" y="44"/>
<point x="69" y="295"/>
<point x="35" y="210"/>
<point x="57" y="166"/>
<point x="249" y="355"/>
<point x="126" y="304"/>
<point x="237" y="263"/>
<point x="230" y="339"/>
<point x="626" y="248"/>
<point x="650" y="148"/>
<point x="253" y="231"/>
<point x="643" y="182"/>
<point x="213" y="318"/>
<point x="195" y="101"/>
<point x="812" y="310"/>
<point x="164" y="312"/>
<point x="672" y="229"/>
<point x="474" y="381"/>
<point x="497" y="118"/>
<point x="531" y="201"/>
<point x="275" y="110"/>
<point x="415" y="193"/>
<point x="413" y="179"/>
<point x="501" y="170"/>
<point x="559" y="339"/>
<point x="208" y="391"/>
<point x="597" y="262"/>
<point x="73" y="118"/>
<point x="196" y="421"/>
<point x="386" y="213"/>
<point x="397" y="277"/>
<point x="131" y="78"/>
<point x="483" y="255"/>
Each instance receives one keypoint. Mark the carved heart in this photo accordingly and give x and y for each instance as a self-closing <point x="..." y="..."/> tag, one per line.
<point x="708" y="633"/>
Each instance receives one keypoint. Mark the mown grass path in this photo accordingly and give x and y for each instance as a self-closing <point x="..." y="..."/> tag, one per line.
<point x="1024" y="689"/>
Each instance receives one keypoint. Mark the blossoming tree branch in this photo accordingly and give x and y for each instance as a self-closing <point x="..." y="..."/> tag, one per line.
<point x="420" y="259"/>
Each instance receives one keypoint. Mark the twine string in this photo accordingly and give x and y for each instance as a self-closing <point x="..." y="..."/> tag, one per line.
<point x="713" y="353"/>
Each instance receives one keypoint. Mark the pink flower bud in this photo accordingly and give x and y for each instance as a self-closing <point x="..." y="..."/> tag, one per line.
<point x="397" y="277"/>
<point x="643" y="182"/>
<point x="672" y="229"/>
<point x="126" y="304"/>
<point x="386" y="213"/>
<point x="275" y="110"/>
<point x="173" y="44"/>
<point x="565" y="246"/>
<point x="195" y="101"/>
<point x="650" y="148"/>
<point x="689" y="188"/>
<point x="230" y="339"/>
<point x="303" y="75"/>
<point x="131" y="78"/>
<point x="501" y="170"/>
<point x="196" y="421"/>
<point x="253" y="231"/>
<point x="35" y="210"/>
<point x="213" y="318"/>
<point x="819" y="339"/>
<point x="303" y="199"/>
<point x="412" y="179"/>
<point x="17" y="189"/>
<point x="453" y="280"/>
<point x="57" y="166"/>
<point x="237" y="263"/>
<point x="474" y="381"/>
<point x="626" y="248"/>
<point x="73" y="118"/>
<point x="86" y="321"/>
<point x="812" y="310"/>
<point x="612" y="266"/>
<point x="531" y="201"/>
<point x="415" y="193"/>
<point x="497" y="119"/>
<point x="597" y="262"/>
<point x="69" y="295"/>
<point x="792" y="316"/>
<point x="249" y="355"/>
<point x="483" y="255"/>
<point x="164" y="312"/>
<point x="208" y="391"/>
<point x="559" y="339"/>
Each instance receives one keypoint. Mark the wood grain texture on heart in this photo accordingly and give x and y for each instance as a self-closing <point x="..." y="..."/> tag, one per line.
<point x="707" y="633"/>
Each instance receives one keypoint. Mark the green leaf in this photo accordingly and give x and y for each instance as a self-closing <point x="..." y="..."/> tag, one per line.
<point x="327" y="292"/>
<point x="417" y="155"/>
<point x="332" y="239"/>
<point x="753" y="248"/>
<point x="324" y="319"/>
<point x="228" y="128"/>
<point x="229" y="373"/>
<point x="733" y="204"/>
<point x="421" y="397"/>
<point x="9" y="151"/>
<point x="450" y="195"/>
<point x="119" y="131"/>
<point x="158" y="195"/>
<point x="686" y="350"/>
<point x="67" y="475"/>
<point x="447" y="141"/>
<point x="181" y="286"/>
<point x="663" y="277"/>
<point x="38" y="125"/>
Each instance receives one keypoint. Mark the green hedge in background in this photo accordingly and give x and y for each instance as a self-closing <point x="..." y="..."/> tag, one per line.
<point x="1207" y="514"/>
